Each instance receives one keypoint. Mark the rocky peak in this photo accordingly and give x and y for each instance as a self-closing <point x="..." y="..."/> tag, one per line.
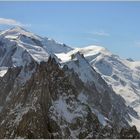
<point x="129" y="133"/>
<point x="43" y="97"/>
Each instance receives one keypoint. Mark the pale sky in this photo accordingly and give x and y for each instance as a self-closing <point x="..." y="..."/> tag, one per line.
<point x="113" y="25"/>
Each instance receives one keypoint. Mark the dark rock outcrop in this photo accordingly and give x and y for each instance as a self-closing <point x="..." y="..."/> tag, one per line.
<point x="129" y="133"/>
<point x="48" y="105"/>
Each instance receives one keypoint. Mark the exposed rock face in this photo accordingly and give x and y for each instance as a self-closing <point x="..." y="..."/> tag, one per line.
<point x="43" y="97"/>
<point x="51" y="104"/>
<point x="31" y="111"/>
<point x="7" y="83"/>
<point x="130" y="133"/>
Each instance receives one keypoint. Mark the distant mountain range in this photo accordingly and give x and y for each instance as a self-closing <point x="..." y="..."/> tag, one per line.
<point x="50" y="90"/>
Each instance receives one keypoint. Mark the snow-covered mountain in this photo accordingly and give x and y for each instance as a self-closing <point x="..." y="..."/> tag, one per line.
<point x="49" y="90"/>
<point x="18" y="46"/>
<point x="122" y="75"/>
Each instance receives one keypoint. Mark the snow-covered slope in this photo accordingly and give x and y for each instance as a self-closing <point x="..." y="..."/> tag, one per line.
<point x="56" y="103"/>
<point x="52" y="46"/>
<point x="122" y="75"/>
<point x="17" y="46"/>
<point x="61" y="88"/>
<point x="3" y="71"/>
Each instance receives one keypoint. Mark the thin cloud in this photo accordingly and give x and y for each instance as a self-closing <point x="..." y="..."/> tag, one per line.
<point x="95" y="35"/>
<point x="100" y="33"/>
<point x="11" y="22"/>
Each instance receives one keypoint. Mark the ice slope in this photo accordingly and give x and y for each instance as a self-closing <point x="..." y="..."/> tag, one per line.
<point x="3" y="71"/>
<point x="19" y="46"/>
<point x="76" y="62"/>
<point x="52" y="46"/>
<point x="81" y="66"/>
<point x="122" y="75"/>
<point x="16" y="31"/>
<point x="25" y="36"/>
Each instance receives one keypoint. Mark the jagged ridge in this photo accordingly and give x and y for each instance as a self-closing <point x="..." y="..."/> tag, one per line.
<point x="48" y="92"/>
